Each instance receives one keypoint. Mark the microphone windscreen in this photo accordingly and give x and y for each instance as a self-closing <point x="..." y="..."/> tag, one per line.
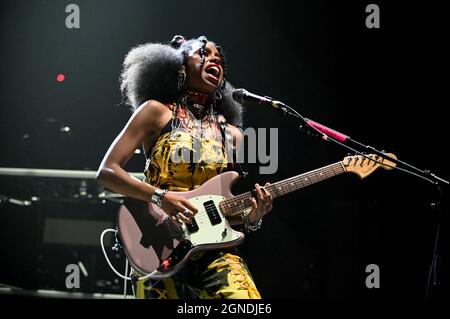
<point x="238" y="95"/>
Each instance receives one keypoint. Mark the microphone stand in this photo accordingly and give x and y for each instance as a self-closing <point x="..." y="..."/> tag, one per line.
<point x="432" y="280"/>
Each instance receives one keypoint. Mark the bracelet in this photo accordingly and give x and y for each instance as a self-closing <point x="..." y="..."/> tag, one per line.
<point x="248" y="227"/>
<point x="157" y="196"/>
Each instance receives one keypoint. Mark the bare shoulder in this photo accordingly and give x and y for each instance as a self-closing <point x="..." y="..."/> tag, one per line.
<point x="151" y="109"/>
<point x="152" y="115"/>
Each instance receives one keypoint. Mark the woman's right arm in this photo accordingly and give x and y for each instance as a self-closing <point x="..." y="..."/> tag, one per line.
<point x="111" y="173"/>
<point x="142" y="125"/>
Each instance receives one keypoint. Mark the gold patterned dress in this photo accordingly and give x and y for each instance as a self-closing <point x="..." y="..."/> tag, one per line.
<point x="187" y="153"/>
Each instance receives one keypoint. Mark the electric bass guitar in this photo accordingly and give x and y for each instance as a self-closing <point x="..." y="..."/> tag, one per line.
<point x="158" y="247"/>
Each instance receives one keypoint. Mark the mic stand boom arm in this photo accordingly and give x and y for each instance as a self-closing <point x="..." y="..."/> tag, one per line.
<point x="312" y="130"/>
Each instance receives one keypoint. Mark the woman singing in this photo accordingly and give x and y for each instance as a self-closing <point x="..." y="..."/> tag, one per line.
<point x="182" y="108"/>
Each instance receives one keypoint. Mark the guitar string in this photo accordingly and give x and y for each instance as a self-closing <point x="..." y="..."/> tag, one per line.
<point x="279" y="189"/>
<point x="284" y="185"/>
<point x="245" y="198"/>
<point x="329" y="171"/>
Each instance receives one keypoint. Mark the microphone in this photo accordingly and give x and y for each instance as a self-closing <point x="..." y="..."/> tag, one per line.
<point x="243" y="96"/>
<point x="328" y="131"/>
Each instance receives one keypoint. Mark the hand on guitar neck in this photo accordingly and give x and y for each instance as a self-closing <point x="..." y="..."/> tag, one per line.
<point x="262" y="203"/>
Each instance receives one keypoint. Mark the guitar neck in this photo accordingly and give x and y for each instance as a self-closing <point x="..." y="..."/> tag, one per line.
<point x="242" y="201"/>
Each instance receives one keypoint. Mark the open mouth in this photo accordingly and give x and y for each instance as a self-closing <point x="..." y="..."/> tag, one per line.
<point x="213" y="73"/>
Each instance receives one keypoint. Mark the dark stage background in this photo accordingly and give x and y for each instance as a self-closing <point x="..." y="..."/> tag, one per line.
<point x="384" y="87"/>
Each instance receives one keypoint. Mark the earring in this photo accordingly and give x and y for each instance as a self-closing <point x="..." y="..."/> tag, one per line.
<point x="217" y="95"/>
<point x="181" y="77"/>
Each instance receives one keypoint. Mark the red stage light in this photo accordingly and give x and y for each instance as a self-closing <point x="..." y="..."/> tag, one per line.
<point x="60" y="77"/>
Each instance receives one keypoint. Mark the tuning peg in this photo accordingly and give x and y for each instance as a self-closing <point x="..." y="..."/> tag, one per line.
<point x="362" y="158"/>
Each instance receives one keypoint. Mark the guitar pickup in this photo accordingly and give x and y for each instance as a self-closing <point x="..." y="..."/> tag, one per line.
<point x="192" y="227"/>
<point x="212" y="212"/>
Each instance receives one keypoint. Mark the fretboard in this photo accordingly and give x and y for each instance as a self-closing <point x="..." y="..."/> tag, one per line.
<point x="242" y="201"/>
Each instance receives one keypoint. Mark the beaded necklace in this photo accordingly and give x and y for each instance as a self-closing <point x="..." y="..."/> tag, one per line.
<point x="197" y="124"/>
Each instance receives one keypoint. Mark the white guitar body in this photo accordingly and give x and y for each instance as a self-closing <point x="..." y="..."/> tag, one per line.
<point x="154" y="244"/>
<point x="208" y="233"/>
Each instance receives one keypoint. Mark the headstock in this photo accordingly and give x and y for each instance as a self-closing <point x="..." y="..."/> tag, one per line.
<point x="363" y="166"/>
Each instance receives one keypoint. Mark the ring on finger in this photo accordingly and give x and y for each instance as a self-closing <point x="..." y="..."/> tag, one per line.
<point x="179" y="217"/>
